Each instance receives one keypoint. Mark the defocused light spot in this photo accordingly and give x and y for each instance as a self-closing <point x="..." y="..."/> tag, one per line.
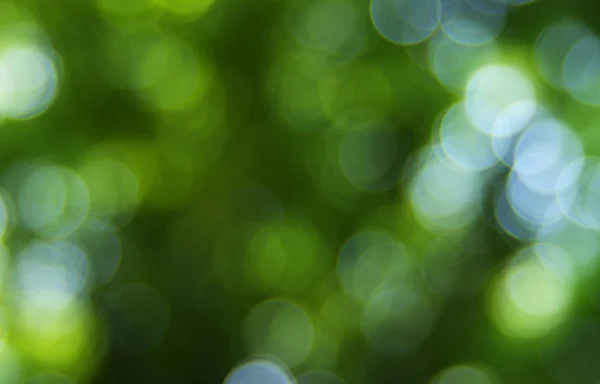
<point x="124" y="53"/>
<point x="273" y="257"/>
<point x="452" y="63"/>
<point x="259" y="372"/>
<point x="581" y="243"/>
<point x="165" y="72"/>
<point x="386" y="264"/>
<point x="505" y="146"/>
<point x="113" y="187"/>
<point x="319" y="377"/>
<point x="173" y="74"/>
<point x="396" y="321"/>
<point x="553" y="45"/>
<point x="466" y="24"/>
<point x="279" y="328"/>
<point x="139" y="317"/>
<point x="292" y="89"/>
<point x="103" y="248"/>
<point x="529" y="286"/>
<point x="284" y="257"/>
<point x="28" y="81"/>
<point x="534" y="207"/>
<point x="533" y="295"/>
<point x="50" y="275"/>
<point x="500" y="100"/>
<point x="464" y="374"/>
<point x="544" y="150"/>
<point x="580" y="199"/>
<point x="444" y="196"/>
<point x="581" y="70"/>
<point x="57" y="338"/>
<point x="491" y="7"/>
<point x="464" y="144"/>
<point x="351" y="253"/>
<point x="142" y="157"/>
<point x="367" y="152"/>
<point x="6" y="273"/>
<point x="53" y="201"/>
<point x="333" y="26"/>
<point x="186" y="8"/>
<point x="4" y="215"/>
<point x="405" y="21"/>
<point x="511" y="222"/>
<point x="187" y="142"/>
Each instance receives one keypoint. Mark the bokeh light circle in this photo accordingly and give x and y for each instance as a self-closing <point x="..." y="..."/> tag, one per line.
<point x="53" y="201"/>
<point x="279" y="328"/>
<point x="471" y="25"/>
<point x="28" y="81"/>
<point x="581" y="71"/>
<point x="405" y="21"/>
<point x="534" y="294"/>
<point x="464" y="374"/>
<point x="500" y="100"/>
<point x="259" y="372"/>
<point x="553" y="45"/>
<point x="464" y="144"/>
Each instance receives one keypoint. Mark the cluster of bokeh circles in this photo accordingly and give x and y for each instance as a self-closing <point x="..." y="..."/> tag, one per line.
<point x="309" y="291"/>
<point x="501" y="140"/>
<point x="497" y="140"/>
<point x="60" y="232"/>
<point x="468" y="22"/>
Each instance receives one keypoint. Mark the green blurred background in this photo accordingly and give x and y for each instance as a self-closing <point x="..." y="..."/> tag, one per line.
<point x="191" y="188"/>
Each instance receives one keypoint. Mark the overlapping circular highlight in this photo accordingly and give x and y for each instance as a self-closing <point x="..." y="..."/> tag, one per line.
<point x="567" y="56"/>
<point x="534" y="293"/>
<point x="444" y="195"/>
<point x="581" y="198"/>
<point x="332" y="26"/>
<point x="51" y="275"/>
<point x="279" y="328"/>
<point x="371" y="260"/>
<point x="28" y="81"/>
<point x="553" y="45"/>
<point x="259" y="372"/>
<point x="500" y="100"/>
<point x="53" y="201"/>
<point x="464" y="374"/>
<point x="367" y="153"/>
<point x="472" y="22"/>
<point x="405" y="21"/>
<point x="452" y="63"/>
<point x="581" y="70"/>
<point x="465" y="145"/>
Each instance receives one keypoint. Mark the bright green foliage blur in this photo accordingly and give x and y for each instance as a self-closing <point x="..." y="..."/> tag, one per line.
<point x="299" y="191"/>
